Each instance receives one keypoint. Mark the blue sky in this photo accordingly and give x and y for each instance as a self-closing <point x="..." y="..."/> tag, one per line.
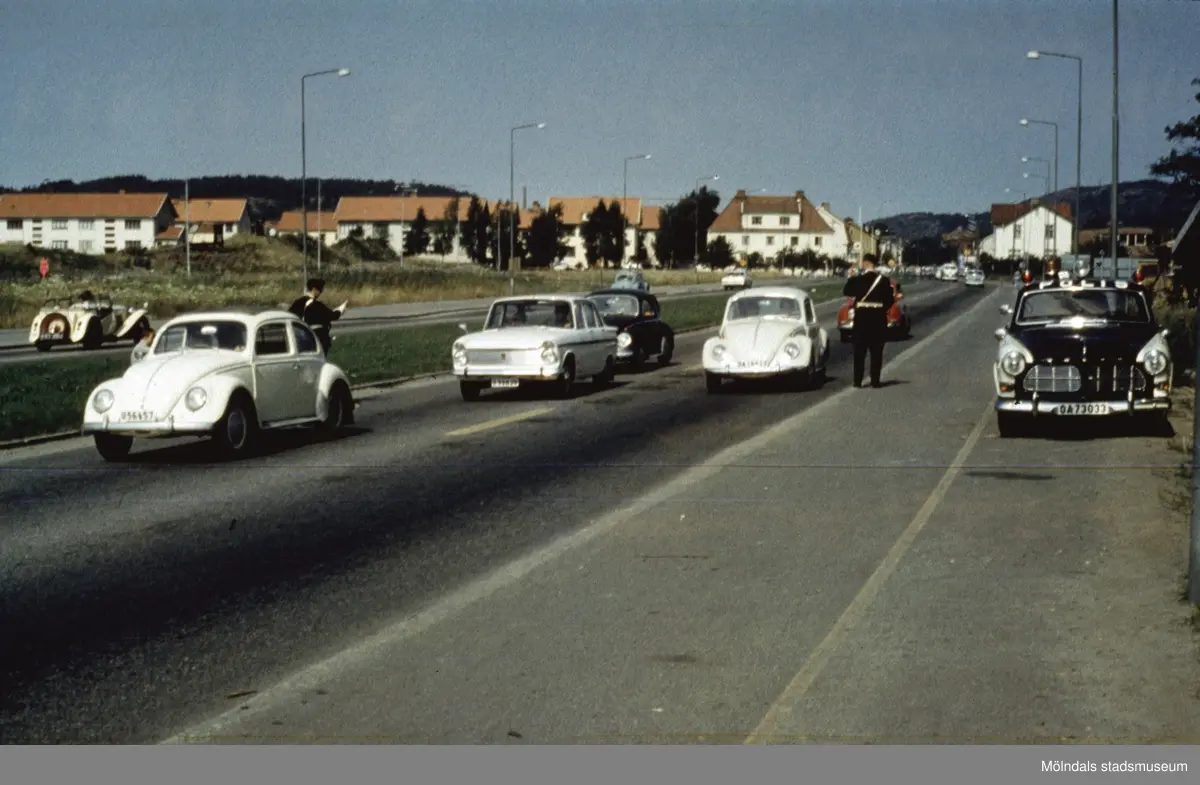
<point x="888" y="106"/>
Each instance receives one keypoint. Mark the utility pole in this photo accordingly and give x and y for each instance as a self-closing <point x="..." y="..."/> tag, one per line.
<point x="187" y="225"/>
<point x="320" y="237"/>
<point x="1116" y="128"/>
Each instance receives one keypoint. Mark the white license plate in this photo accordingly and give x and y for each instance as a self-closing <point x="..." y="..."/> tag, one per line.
<point x="506" y="383"/>
<point x="137" y="416"/>
<point x="53" y="337"/>
<point x="1082" y="408"/>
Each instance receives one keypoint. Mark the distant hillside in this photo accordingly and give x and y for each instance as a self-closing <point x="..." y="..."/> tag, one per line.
<point x="268" y="196"/>
<point x="1150" y="203"/>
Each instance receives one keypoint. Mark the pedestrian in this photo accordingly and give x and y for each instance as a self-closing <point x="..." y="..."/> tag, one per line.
<point x="872" y="293"/>
<point x="142" y="347"/>
<point x="316" y="314"/>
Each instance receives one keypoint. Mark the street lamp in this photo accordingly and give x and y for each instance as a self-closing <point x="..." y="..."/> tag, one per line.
<point x="512" y="198"/>
<point x="1027" y="158"/>
<point x="1035" y="55"/>
<point x="625" y="201"/>
<point x="698" y="181"/>
<point x="1026" y="122"/>
<point x="304" y="162"/>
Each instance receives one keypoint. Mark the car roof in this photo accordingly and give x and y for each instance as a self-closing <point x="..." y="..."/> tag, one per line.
<point x="618" y="290"/>
<point x="244" y="315"/>
<point x="547" y="296"/>
<point x="1110" y="284"/>
<point x="772" y="291"/>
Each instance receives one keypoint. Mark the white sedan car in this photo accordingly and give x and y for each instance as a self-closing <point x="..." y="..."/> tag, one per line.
<point x="549" y="339"/>
<point x="738" y="279"/>
<point x="769" y="332"/>
<point x="204" y="376"/>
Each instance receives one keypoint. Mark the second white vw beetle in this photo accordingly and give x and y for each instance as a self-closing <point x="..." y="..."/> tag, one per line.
<point x="221" y="374"/>
<point x="552" y="339"/>
<point x="768" y="332"/>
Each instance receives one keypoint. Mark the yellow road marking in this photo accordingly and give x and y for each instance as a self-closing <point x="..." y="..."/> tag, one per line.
<point x="769" y="728"/>
<point x="499" y="421"/>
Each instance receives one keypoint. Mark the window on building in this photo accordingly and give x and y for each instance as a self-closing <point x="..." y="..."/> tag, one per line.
<point x="1017" y="231"/>
<point x="1050" y="231"/>
<point x="795" y="241"/>
<point x="86" y="223"/>
<point x="745" y="239"/>
<point x="785" y="220"/>
<point x="817" y="241"/>
<point x="133" y="223"/>
<point x="85" y="246"/>
<point x="381" y="230"/>
<point x="756" y="220"/>
<point x="60" y="245"/>
<point x="16" y="225"/>
<point x="770" y="239"/>
<point x="132" y="245"/>
<point x="58" y="223"/>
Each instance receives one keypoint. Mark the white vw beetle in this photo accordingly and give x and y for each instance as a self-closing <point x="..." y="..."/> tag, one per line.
<point x="205" y="377"/>
<point x="771" y="331"/>
<point x="546" y="338"/>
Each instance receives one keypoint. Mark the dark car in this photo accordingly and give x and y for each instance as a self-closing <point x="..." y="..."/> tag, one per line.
<point x="1080" y="347"/>
<point x="638" y="317"/>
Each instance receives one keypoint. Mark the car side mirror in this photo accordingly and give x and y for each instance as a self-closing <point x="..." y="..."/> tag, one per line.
<point x="1006" y="309"/>
<point x="462" y="326"/>
<point x="1000" y="333"/>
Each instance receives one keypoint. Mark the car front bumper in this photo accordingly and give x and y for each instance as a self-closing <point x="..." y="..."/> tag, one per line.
<point x="531" y="373"/>
<point x="155" y="429"/>
<point x="1051" y="408"/>
<point x="752" y="371"/>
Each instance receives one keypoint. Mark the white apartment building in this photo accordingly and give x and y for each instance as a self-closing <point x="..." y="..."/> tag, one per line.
<point x="769" y="224"/>
<point x="1029" y="229"/>
<point x="86" y="223"/>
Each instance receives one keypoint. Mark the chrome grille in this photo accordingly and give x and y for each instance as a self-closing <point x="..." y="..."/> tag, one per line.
<point x="497" y="356"/>
<point x="1053" y="379"/>
<point x="1117" y="378"/>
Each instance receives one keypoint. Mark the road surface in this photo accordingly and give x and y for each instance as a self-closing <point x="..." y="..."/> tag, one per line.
<point x="528" y="571"/>
<point x="15" y="347"/>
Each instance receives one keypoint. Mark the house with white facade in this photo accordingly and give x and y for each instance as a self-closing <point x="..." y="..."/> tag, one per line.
<point x="92" y="223"/>
<point x="575" y="212"/>
<point x="1029" y="229"/>
<point x="322" y="226"/>
<point x="769" y="224"/>
<point x="213" y="220"/>
<point x="390" y="218"/>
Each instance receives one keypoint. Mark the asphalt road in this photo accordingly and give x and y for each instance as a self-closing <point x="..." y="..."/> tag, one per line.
<point x="520" y="570"/>
<point x="15" y="347"/>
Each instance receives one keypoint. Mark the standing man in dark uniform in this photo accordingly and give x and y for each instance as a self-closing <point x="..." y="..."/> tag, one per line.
<point x="872" y="293"/>
<point x="316" y="314"/>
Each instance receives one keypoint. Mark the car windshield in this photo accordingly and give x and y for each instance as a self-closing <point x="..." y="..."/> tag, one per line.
<point x="751" y="307"/>
<point x="1059" y="304"/>
<point x="229" y="335"/>
<point x="530" y="313"/>
<point x="616" y="304"/>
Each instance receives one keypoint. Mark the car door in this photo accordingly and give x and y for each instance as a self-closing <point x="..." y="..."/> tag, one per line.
<point x="312" y="360"/>
<point x="276" y="374"/>
<point x="652" y="328"/>
<point x="590" y="337"/>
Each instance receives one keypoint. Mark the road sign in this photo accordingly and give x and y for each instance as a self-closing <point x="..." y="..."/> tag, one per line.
<point x="44" y="266"/>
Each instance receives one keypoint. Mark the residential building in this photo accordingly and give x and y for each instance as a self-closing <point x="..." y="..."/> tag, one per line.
<point x="213" y="220"/>
<point x="769" y="224"/>
<point x="648" y="226"/>
<point x="1029" y="229"/>
<point x="862" y="241"/>
<point x="575" y="211"/>
<point x="1139" y="241"/>
<point x="322" y="226"/>
<point x="91" y="223"/>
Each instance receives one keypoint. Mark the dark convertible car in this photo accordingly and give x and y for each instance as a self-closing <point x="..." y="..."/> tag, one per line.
<point x="1080" y="347"/>
<point x="638" y="316"/>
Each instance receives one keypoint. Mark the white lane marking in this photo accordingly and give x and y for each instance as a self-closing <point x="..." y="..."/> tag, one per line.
<point x="487" y="425"/>
<point x="782" y="707"/>
<point x="375" y="646"/>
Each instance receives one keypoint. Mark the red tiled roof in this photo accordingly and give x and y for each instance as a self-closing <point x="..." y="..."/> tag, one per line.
<point x="293" y="222"/>
<point x="730" y="219"/>
<point x="650" y="219"/>
<point x="394" y="209"/>
<point x="118" y="205"/>
<point x="222" y="211"/>
<point x="170" y="233"/>
<point x="574" y="208"/>
<point x="1005" y="214"/>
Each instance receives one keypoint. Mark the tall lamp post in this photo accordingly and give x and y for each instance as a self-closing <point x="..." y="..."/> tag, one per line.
<point x="697" y="211"/>
<point x="625" y="202"/>
<point x="1025" y="121"/>
<point x="512" y="198"/>
<point x="304" y="162"/>
<point x="1027" y="158"/>
<point x="1034" y="55"/>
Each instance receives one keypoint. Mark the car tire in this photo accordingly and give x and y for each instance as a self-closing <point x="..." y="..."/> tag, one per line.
<point x="1011" y="426"/>
<point x="234" y="434"/>
<point x="340" y="412"/>
<point x="667" y="351"/>
<point x="44" y="346"/>
<point x="712" y="383"/>
<point x="638" y="361"/>
<point x="113" y="448"/>
<point x="94" y="337"/>
<point x="564" y="385"/>
<point x="470" y="390"/>
<point x="605" y="377"/>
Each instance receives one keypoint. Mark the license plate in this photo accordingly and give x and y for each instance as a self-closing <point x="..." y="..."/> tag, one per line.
<point x="506" y="383"/>
<point x="1082" y="408"/>
<point x="753" y="364"/>
<point x="137" y="416"/>
<point x="53" y="337"/>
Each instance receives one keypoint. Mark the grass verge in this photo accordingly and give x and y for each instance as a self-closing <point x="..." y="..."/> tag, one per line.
<point x="48" y="396"/>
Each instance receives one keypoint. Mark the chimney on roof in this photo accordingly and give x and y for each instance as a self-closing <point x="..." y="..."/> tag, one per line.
<point x="740" y="198"/>
<point x="825" y="207"/>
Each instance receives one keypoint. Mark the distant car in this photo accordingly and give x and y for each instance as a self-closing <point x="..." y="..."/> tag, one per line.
<point x="975" y="277"/>
<point x="544" y="339"/>
<point x="899" y="323"/>
<point x="630" y="279"/>
<point x="947" y="272"/>
<point x="1080" y="348"/>
<point x="641" y="331"/>
<point x="205" y="377"/>
<point x="89" y="319"/>
<point x="771" y="332"/>
<point x="738" y="279"/>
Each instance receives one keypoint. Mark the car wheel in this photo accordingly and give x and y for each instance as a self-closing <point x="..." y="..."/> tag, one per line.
<point x="1010" y="425"/>
<point x="43" y="346"/>
<point x="667" y="352"/>
<point x="340" y="410"/>
<point x="605" y="377"/>
<point x="470" y="390"/>
<point x="565" y="384"/>
<point x="235" y="431"/>
<point x="94" y="337"/>
<point x="638" y="361"/>
<point x="712" y="382"/>
<point x="112" y="447"/>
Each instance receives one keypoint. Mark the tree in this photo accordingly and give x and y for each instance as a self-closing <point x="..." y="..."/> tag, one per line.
<point x="417" y="240"/>
<point x="640" y="255"/>
<point x="610" y="238"/>
<point x="507" y="220"/>
<point x="447" y="230"/>
<point x="546" y="239"/>
<point x="1182" y="166"/>
<point x="593" y="231"/>
<point x="476" y="231"/>
<point x="675" y="240"/>
<point x="720" y="253"/>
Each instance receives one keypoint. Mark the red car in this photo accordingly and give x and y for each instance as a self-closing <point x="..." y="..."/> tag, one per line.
<point x="899" y="323"/>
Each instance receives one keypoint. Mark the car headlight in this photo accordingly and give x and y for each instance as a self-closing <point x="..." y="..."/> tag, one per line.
<point x="102" y="402"/>
<point x="718" y="352"/>
<point x="624" y="339"/>
<point x="1156" y="362"/>
<point x="459" y="354"/>
<point x="1013" y="363"/>
<point x="195" y="398"/>
<point x="792" y="350"/>
<point x="549" y="353"/>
